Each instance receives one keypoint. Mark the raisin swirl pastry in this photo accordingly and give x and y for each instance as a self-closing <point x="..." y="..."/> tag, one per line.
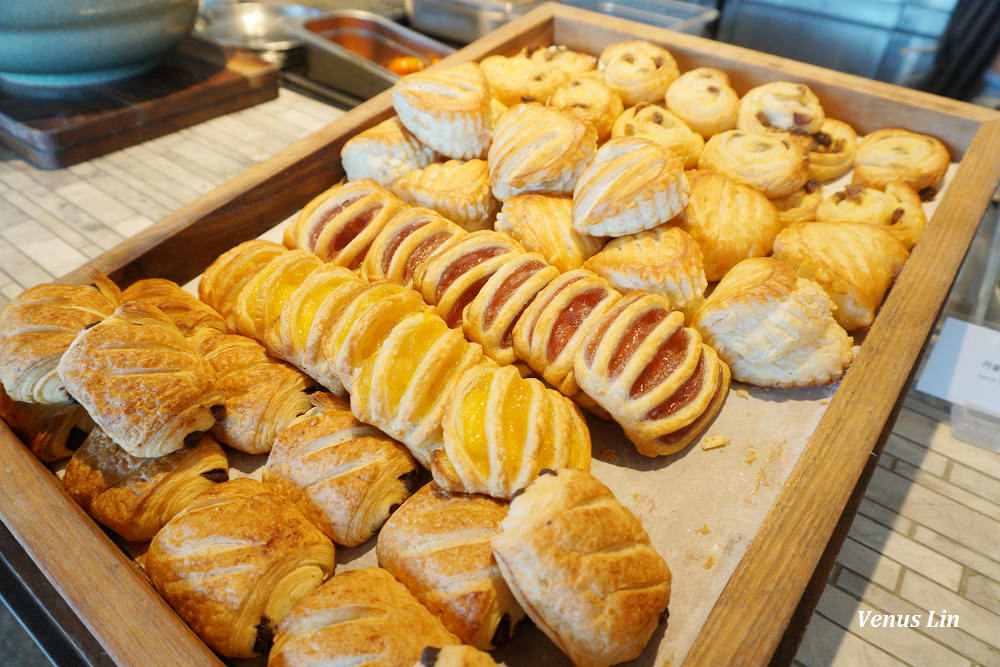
<point x="774" y="165"/>
<point x="135" y="496"/>
<point x="854" y="262"/>
<point x="410" y="237"/>
<point x="560" y="57"/>
<point x="781" y="106"/>
<point x="501" y="430"/>
<point x="234" y="561"/>
<point x="263" y="394"/>
<point x="544" y="224"/>
<point x="344" y="476"/>
<point x="587" y="97"/>
<point x="704" y="100"/>
<point x="38" y="326"/>
<point x="898" y="209"/>
<point x="801" y="205"/>
<point x="583" y="568"/>
<point x="141" y="381"/>
<point x="454" y="656"/>
<point x="831" y="153"/>
<point x="892" y="154"/>
<point x="656" y="123"/>
<point x="226" y="277"/>
<point x="447" y="109"/>
<point x="384" y="153"/>
<point x="52" y="431"/>
<point x="490" y="317"/>
<point x="438" y="544"/>
<point x="404" y="386"/>
<point x="258" y="305"/>
<point x="774" y="328"/>
<point x="457" y="189"/>
<point x="455" y="274"/>
<point x="638" y="71"/>
<point x="363" y="613"/>
<point x="538" y="149"/>
<point x="519" y="78"/>
<point x="193" y="317"/>
<point x="652" y="374"/>
<point x="339" y="224"/>
<point x="632" y="184"/>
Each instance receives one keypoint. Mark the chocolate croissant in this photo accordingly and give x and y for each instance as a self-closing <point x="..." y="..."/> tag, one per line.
<point x="52" y="431"/>
<point x="192" y="316"/>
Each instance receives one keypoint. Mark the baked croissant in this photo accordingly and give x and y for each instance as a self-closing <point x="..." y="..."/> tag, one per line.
<point x="136" y="496"/>
<point x="408" y="239"/>
<point x="544" y="224"/>
<point x="192" y="316"/>
<point x="141" y="381"/>
<point x="38" y="326"/>
<point x="457" y="189"/>
<point x="52" y="431"/>
<point x="652" y="374"/>
<point x="340" y="223"/>
<point x="501" y="429"/>
<point x="234" y="561"/>
<point x="359" y="617"/>
<point x="225" y="278"/>
<point x="404" y="386"/>
<point x="344" y="476"/>
<point x="258" y="305"/>
<point x="438" y="544"/>
<point x="583" y="568"/>
<point x="263" y="394"/>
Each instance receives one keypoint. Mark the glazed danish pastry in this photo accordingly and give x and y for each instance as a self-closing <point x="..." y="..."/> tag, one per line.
<point x="501" y="430"/>
<point x="457" y="189"/>
<point x="224" y="279"/>
<point x="438" y="544"/>
<point x="662" y="260"/>
<point x="898" y="209"/>
<point x="632" y="184"/>
<point x="141" y="381"/>
<point x="831" y="153"/>
<point x="38" y="326"/>
<point x="801" y="205"/>
<point x="447" y="109"/>
<point x="192" y="316"/>
<point x="384" y="153"/>
<point x="774" y="328"/>
<point x="587" y="97"/>
<point x="704" y="100"/>
<point x="544" y="224"/>
<point x="52" y="431"/>
<point x="538" y="149"/>
<point x="854" y="262"/>
<point x="774" y="165"/>
<point x="781" y="106"/>
<point x="344" y="476"/>
<point x="652" y="374"/>
<point x="234" y="561"/>
<point x="363" y="613"/>
<point x="656" y="123"/>
<point x="263" y="395"/>
<point x="894" y="154"/>
<point x="519" y="78"/>
<point x="340" y="224"/>
<point x="583" y="568"/>
<point x="136" y="496"/>
<point x="638" y="71"/>
<point x="408" y="239"/>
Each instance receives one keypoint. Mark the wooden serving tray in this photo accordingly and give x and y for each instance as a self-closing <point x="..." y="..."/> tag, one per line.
<point x="749" y="619"/>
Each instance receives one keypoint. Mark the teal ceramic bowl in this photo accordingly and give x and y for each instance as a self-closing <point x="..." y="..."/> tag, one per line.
<point x="80" y="42"/>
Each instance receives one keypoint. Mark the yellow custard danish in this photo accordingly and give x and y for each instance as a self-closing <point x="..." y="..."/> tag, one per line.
<point x="544" y="224"/>
<point x="638" y="71"/>
<point x="224" y="279"/>
<point x="704" y="100"/>
<point x="457" y="189"/>
<point x="258" y="305"/>
<point x="408" y="239"/>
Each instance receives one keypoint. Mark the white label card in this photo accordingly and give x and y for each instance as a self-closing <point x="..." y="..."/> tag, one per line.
<point x="964" y="366"/>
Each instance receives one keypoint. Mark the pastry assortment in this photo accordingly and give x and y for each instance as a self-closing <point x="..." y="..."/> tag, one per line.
<point x="527" y="236"/>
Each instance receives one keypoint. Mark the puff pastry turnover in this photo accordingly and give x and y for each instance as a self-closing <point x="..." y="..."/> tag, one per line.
<point x="384" y="153"/>
<point x="408" y="239"/>
<point x="258" y="305"/>
<point x="457" y="189"/>
<point x="544" y="224"/>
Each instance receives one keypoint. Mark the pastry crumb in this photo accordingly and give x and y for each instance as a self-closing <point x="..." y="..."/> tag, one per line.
<point x="714" y="441"/>
<point x="709" y="562"/>
<point x="751" y="455"/>
<point x="742" y="393"/>
<point x="704" y="530"/>
<point x="824" y="402"/>
<point x="608" y="455"/>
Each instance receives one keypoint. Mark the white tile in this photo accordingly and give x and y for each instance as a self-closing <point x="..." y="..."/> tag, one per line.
<point x="17" y="180"/>
<point x="937" y="436"/>
<point x="983" y="591"/>
<point x="827" y="645"/>
<point x="128" y="178"/>
<point x="956" y="493"/>
<point x="974" y="619"/>
<point x="96" y="202"/>
<point x="11" y="291"/>
<point x="885" y="516"/>
<point x="205" y="157"/>
<point x="916" y="455"/>
<point x="32" y="211"/>
<point x="225" y="143"/>
<point x="132" y="225"/>
<point x="868" y="562"/>
<point x="181" y="173"/>
<point x="246" y="132"/>
<point x="136" y="201"/>
<point x="976" y="482"/>
<point x="19" y="267"/>
<point x="957" y="551"/>
<point x="135" y="163"/>
<point x="43" y="248"/>
<point x="10" y="214"/>
<point x="906" y="552"/>
<point x="77" y="218"/>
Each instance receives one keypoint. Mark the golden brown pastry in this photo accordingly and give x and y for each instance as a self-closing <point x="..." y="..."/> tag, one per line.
<point x="638" y="71"/>
<point x="136" y="496"/>
<point x="141" y="381"/>
<point x="452" y="277"/>
<point x="384" y="153"/>
<point x="587" y="97"/>
<point x="234" y="561"/>
<point x="730" y="221"/>
<point x="519" y="78"/>
<point x="447" y="109"/>
<point x="653" y="375"/>
<point x="801" y="205"/>
<point x="408" y="239"/>
<point x="898" y="209"/>
<point x="632" y="184"/>
<point x="38" y="326"/>
<point x="457" y="189"/>
<point x="656" y="123"/>
<point x="781" y="106"/>
<point x="344" y="476"/>
<point x="403" y="387"/>
<point x="225" y="278"/>
<point x="363" y="614"/>
<point x="538" y="149"/>
<point x="774" y="165"/>
<point x="263" y="394"/>
<point x="854" y="262"/>
<point x="560" y="57"/>
<point x="438" y="544"/>
<point x="704" y="100"/>
<point x="52" y="431"/>
<point x="501" y="430"/>
<point x="773" y="328"/>
<point x="258" y="305"/>
<point x="583" y="568"/>
<point x="831" y="153"/>
<point x="459" y="655"/>
<point x="663" y="260"/>
<point x="192" y="316"/>
<point x="894" y="154"/>
<point x="340" y="224"/>
<point x="544" y="224"/>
